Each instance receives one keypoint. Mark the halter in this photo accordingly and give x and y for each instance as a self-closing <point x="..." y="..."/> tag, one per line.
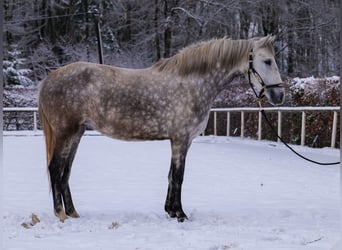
<point x="257" y="76"/>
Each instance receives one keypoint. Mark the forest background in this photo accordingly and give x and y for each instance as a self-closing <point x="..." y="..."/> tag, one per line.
<point x="137" y="33"/>
<point x="42" y="35"/>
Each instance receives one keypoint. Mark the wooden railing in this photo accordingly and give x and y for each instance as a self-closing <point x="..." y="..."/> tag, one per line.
<point x="228" y="111"/>
<point x="279" y="110"/>
<point x="33" y="110"/>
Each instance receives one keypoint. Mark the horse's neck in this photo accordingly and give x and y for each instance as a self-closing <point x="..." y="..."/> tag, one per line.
<point x="220" y="77"/>
<point x="220" y="80"/>
<point x="207" y="88"/>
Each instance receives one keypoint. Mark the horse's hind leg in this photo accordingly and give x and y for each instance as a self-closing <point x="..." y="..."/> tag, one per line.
<point x="59" y="168"/>
<point x="66" y="194"/>
<point x="55" y="172"/>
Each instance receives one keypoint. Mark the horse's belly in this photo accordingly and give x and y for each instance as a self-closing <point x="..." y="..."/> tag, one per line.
<point x="132" y="129"/>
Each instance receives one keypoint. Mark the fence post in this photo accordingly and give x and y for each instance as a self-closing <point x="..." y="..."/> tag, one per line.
<point x="215" y="132"/>
<point x="279" y="125"/>
<point x="333" y="133"/>
<point x="259" y="126"/>
<point x="34" y="121"/>
<point x="302" y="136"/>
<point x="228" y="123"/>
<point x="96" y="16"/>
<point x="242" y="124"/>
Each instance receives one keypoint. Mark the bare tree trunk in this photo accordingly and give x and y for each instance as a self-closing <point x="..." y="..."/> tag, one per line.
<point x="168" y="29"/>
<point x="127" y="32"/>
<point x="156" y="26"/>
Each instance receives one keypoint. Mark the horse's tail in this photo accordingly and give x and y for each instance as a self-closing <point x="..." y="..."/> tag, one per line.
<point x="50" y="140"/>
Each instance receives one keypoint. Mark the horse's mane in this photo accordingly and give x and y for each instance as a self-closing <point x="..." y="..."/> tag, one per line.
<point x="203" y="57"/>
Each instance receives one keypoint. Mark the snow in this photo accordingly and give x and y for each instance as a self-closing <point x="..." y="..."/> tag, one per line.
<point x="312" y="79"/>
<point x="238" y="194"/>
<point x="312" y="83"/>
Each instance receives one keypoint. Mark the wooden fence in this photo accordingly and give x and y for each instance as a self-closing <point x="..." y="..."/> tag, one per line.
<point x="279" y="110"/>
<point x="242" y="111"/>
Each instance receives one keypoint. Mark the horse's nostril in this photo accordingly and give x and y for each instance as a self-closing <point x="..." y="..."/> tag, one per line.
<point x="276" y="97"/>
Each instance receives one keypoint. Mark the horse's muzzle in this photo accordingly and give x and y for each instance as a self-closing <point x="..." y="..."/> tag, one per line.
<point x="276" y="96"/>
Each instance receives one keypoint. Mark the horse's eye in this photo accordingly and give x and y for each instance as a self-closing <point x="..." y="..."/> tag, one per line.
<point x="268" y="62"/>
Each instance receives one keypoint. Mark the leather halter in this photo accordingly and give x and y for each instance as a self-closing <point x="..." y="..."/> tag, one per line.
<point x="257" y="76"/>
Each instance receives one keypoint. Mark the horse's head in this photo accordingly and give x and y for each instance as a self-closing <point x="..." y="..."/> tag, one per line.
<point x="263" y="73"/>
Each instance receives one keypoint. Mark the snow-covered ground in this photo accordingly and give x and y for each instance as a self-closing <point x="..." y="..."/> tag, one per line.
<point x="238" y="194"/>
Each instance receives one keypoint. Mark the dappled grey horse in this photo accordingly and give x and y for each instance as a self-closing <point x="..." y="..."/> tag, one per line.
<point x="169" y="100"/>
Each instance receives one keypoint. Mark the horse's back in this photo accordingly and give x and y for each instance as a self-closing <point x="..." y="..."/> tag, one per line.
<point x="116" y="101"/>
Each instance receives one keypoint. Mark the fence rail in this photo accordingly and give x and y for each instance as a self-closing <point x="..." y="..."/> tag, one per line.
<point x="279" y="110"/>
<point x="34" y="110"/>
<point x="243" y="110"/>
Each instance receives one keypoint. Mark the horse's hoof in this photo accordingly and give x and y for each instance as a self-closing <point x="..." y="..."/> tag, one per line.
<point x="172" y="214"/>
<point x="74" y="215"/>
<point x="61" y="215"/>
<point x="182" y="217"/>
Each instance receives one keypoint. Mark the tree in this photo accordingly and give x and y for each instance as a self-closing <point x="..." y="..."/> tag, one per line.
<point x="137" y="33"/>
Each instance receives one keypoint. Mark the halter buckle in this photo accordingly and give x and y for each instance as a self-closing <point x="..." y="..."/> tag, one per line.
<point x="250" y="59"/>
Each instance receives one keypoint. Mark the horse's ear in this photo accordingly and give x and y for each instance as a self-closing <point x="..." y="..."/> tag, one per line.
<point x="264" y="41"/>
<point x="271" y="38"/>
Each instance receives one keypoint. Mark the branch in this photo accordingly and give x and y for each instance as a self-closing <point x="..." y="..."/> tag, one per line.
<point x="197" y="19"/>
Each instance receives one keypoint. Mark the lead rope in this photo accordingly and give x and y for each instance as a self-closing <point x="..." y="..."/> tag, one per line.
<point x="287" y="145"/>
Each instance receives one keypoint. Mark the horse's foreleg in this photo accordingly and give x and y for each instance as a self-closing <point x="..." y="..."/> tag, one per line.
<point x="173" y="204"/>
